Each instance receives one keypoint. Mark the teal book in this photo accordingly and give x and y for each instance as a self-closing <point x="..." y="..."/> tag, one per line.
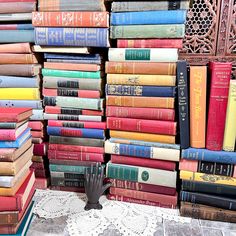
<point x="69" y="168"/>
<point x="17" y="36"/>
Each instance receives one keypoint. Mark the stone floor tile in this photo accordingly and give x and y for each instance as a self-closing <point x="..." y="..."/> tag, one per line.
<point x="211" y="232"/>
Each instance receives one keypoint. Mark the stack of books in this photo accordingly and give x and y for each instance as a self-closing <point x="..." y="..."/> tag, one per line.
<point x="141" y="93"/>
<point x="16" y="179"/>
<point x="73" y="83"/>
<point x="15" y="21"/>
<point x="208" y="165"/>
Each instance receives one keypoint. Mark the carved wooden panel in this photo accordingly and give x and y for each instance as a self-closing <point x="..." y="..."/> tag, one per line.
<point x="202" y="28"/>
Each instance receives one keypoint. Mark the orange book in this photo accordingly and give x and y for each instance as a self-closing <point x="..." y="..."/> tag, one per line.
<point x="198" y="83"/>
<point x="15" y="48"/>
<point x="144" y="68"/>
<point x="72" y="66"/>
<point x="71" y="19"/>
<point x="129" y="101"/>
<point x="10" y="58"/>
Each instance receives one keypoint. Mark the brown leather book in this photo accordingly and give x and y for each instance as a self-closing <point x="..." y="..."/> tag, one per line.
<point x="20" y="69"/>
<point x="10" y="58"/>
<point x="17" y="7"/>
<point x="15" y="48"/>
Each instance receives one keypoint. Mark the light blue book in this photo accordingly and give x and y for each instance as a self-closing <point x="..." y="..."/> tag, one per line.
<point x="19" y="82"/>
<point x="17" y="36"/>
<point x="37" y="104"/>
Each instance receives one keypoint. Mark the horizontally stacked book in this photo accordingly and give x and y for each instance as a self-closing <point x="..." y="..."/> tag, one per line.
<point x="208" y="166"/>
<point x="73" y="85"/>
<point x="141" y="94"/>
<point x="16" y="179"/>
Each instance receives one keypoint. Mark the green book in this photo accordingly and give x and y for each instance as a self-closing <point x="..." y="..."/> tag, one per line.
<point x="72" y="74"/>
<point x="147" y="31"/>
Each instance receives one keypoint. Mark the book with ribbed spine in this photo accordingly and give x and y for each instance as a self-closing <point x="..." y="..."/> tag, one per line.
<point x="16" y="58"/>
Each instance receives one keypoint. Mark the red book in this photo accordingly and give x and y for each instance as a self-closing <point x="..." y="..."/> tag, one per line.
<point x="37" y="133"/>
<point x="219" y="89"/>
<point x="37" y="166"/>
<point x="145" y="126"/>
<point x="163" y="165"/>
<point x="17" y="202"/>
<point x="149" y="43"/>
<point x="73" y="148"/>
<point x="141" y="113"/>
<point x="137" y="201"/>
<point x="162" y="199"/>
<point x="77" y="124"/>
<point x="41" y="183"/>
<point x="68" y="189"/>
<point x="142" y="187"/>
<point x="36" y="125"/>
<point x="60" y="110"/>
<point x="40" y="149"/>
<point x="77" y="156"/>
<point x="40" y="173"/>
<point x="71" y="93"/>
<point x="14" y="114"/>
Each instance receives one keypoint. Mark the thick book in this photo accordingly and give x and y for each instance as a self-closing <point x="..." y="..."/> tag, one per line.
<point x="71" y="5"/>
<point x="137" y="79"/>
<point x="140" y="54"/>
<point x="144" y="162"/>
<point x="140" y="125"/>
<point x="209" y="188"/>
<point x="76" y="132"/>
<point x="15" y="58"/>
<point x="198" y="86"/>
<point x="150" y="43"/>
<point x="230" y="124"/>
<point x="183" y="103"/>
<point x="218" y="98"/>
<point x="147" y="18"/>
<point x="141" y="113"/>
<point x="204" y="212"/>
<point x="17" y="36"/>
<point x="71" y="19"/>
<point x="15" y="48"/>
<point x="141" y="187"/>
<point x="142" y="151"/>
<point x="152" y="68"/>
<point x="145" y="91"/>
<point x="132" y="6"/>
<point x="19" y="82"/>
<point x="208" y="199"/>
<point x="40" y="149"/>
<point x="135" y="101"/>
<point x="141" y="174"/>
<point x="83" y="37"/>
<point x="17" y="7"/>
<point x="161" y="138"/>
<point x="208" y="155"/>
<point x="149" y="31"/>
<point x="16" y="27"/>
<point x="67" y="183"/>
<point x="14" y="114"/>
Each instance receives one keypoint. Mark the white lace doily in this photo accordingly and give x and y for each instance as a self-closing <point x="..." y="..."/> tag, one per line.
<point x="128" y="218"/>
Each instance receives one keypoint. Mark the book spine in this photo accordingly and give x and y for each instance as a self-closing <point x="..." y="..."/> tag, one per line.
<point x="68" y="189"/>
<point x="83" y="37"/>
<point x="36" y="125"/>
<point x="152" y="80"/>
<point x="142" y="187"/>
<point x="198" y="77"/>
<point x="160" y="68"/>
<point x="72" y="148"/>
<point x="72" y="117"/>
<point x="17" y="36"/>
<point x="152" y="55"/>
<point x="150" y="31"/>
<point x="207" y="199"/>
<point x="20" y="93"/>
<point x="136" y="201"/>
<point x="183" y="103"/>
<point x="19" y="7"/>
<point x="41" y="183"/>
<point x="126" y="160"/>
<point x="54" y="154"/>
<point x="141" y="113"/>
<point x="129" y="101"/>
<point x="149" y="43"/>
<point x="7" y="58"/>
<point x="146" y="91"/>
<point x="230" y="125"/>
<point x="70" y="19"/>
<point x="67" y="183"/>
<point x="37" y="165"/>
<point x="7" y="135"/>
<point x="40" y="173"/>
<point x="16" y="27"/>
<point x="73" y="132"/>
<point x="10" y="203"/>
<point x="64" y="175"/>
<point x="220" y="79"/>
<point x="15" y="48"/>
<point x="64" y="168"/>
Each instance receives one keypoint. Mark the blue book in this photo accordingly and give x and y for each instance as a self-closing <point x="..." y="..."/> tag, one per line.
<point x="149" y="18"/>
<point x="17" y="36"/>
<point x="18" y="142"/>
<point x="83" y="37"/>
<point x="72" y="56"/>
<point x="76" y="132"/>
<point x="18" y="82"/>
<point x="24" y="26"/>
<point x="146" y="91"/>
<point x="24" y="226"/>
<point x="207" y="155"/>
<point x="21" y="103"/>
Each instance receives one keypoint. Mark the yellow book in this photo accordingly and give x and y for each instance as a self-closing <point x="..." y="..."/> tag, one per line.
<point x="230" y="123"/>
<point x="202" y="177"/>
<point x="19" y="93"/>
<point x="129" y="79"/>
<point x="143" y="136"/>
